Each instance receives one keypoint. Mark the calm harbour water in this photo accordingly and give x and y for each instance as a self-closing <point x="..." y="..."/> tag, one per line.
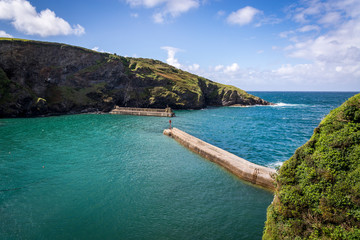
<point x="118" y="177"/>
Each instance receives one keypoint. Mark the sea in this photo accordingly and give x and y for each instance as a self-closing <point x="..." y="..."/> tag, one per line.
<point x="101" y="176"/>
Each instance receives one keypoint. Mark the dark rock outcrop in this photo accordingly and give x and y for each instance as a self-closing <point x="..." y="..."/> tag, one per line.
<point x="41" y="78"/>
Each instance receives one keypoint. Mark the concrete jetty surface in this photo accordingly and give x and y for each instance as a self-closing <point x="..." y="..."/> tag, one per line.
<point x="240" y="167"/>
<point x="167" y="112"/>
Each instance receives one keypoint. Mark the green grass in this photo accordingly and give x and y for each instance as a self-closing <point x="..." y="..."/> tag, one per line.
<point x="62" y="45"/>
<point x="182" y="81"/>
<point x="318" y="188"/>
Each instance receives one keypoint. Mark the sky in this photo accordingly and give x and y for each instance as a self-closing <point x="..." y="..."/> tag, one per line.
<point x="256" y="45"/>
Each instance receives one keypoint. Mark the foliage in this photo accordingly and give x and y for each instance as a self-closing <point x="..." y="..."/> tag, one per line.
<point x="318" y="188"/>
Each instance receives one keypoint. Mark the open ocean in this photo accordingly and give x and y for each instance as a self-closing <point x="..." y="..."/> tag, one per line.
<point x="117" y="177"/>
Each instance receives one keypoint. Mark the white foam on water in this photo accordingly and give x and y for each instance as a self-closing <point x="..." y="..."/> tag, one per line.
<point x="240" y="106"/>
<point x="281" y="104"/>
<point x="275" y="164"/>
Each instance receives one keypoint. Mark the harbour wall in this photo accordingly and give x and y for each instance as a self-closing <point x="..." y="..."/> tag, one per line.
<point x="167" y="112"/>
<point x="256" y="174"/>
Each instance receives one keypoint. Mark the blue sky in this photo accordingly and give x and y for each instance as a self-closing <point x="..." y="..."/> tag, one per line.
<point x="304" y="45"/>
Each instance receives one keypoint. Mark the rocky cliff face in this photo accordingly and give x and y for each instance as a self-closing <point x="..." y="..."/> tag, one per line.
<point x="40" y="78"/>
<point x="318" y="188"/>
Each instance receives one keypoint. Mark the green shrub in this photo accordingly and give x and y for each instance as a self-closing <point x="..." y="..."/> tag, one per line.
<point x="318" y="188"/>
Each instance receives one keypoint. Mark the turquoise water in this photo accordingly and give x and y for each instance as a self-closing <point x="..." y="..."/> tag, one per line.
<point x="118" y="177"/>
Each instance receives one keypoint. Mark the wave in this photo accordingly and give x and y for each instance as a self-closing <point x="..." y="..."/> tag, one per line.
<point x="240" y="106"/>
<point x="281" y="104"/>
<point x="275" y="164"/>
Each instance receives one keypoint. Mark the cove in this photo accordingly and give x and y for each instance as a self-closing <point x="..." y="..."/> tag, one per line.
<point x="114" y="176"/>
<point x="118" y="177"/>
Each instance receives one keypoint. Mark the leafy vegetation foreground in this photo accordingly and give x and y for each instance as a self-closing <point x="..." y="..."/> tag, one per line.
<point x="318" y="188"/>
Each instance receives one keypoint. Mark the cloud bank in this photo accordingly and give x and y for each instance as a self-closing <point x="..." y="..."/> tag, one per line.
<point x="334" y="50"/>
<point x="26" y="19"/>
<point x="325" y="37"/>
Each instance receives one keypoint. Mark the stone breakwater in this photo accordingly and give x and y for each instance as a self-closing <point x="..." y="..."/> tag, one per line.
<point x="245" y="170"/>
<point x="167" y="112"/>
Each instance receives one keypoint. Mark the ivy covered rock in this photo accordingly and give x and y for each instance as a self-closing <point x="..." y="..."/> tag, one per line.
<point x="318" y="188"/>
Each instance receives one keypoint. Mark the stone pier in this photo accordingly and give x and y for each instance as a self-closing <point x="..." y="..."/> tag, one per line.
<point x="256" y="174"/>
<point x="166" y="112"/>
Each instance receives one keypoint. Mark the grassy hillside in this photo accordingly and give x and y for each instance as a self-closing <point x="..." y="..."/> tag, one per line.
<point x="75" y="79"/>
<point x="318" y="188"/>
<point x="181" y="82"/>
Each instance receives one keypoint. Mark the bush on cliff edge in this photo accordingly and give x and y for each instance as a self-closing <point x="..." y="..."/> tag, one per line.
<point x="318" y="188"/>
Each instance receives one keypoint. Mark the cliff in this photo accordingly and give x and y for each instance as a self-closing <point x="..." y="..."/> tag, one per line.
<point x="318" y="188"/>
<point x="41" y="78"/>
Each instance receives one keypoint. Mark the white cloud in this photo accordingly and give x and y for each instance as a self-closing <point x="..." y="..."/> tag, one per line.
<point x="158" y="18"/>
<point x="194" y="67"/>
<point x="309" y="28"/>
<point x="324" y="76"/>
<point x="146" y="3"/>
<point x="328" y="12"/>
<point x="302" y="14"/>
<point x="4" y="34"/>
<point x="338" y="68"/>
<point x="243" y="16"/>
<point x="26" y="19"/>
<point x="134" y="15"/>
<point x="298" y="77"/>
<point x="97" y="49"/>
<point x="171" y="60"/>
<point x="339" y="45"/>
<point x="328" y="40"/>
<point x="219" y="68"/>
<point x="330" y="18"/>
<point x="303" y="29"/>
<point x="176" y="7"/>
<point x="231" y="68"/>
<point x="328" y="53"/>
<point x="166" y="8"/>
